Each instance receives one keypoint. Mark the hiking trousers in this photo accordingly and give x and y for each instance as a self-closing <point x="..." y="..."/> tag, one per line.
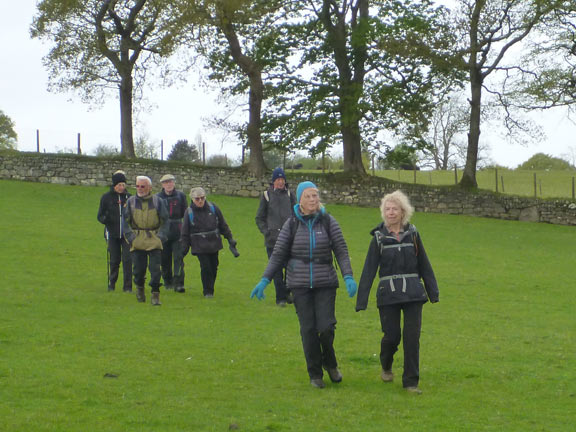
<point x="147" y="259"/>
<point x="316" y="313"/>
<point x="410" y="336"/>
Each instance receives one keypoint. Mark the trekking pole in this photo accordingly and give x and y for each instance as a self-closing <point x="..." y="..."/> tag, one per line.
<point x="107" y="258"/>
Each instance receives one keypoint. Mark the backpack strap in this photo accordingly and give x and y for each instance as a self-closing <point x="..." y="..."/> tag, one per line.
<point x="266" y="196"/>
<point x="212" y="209"/>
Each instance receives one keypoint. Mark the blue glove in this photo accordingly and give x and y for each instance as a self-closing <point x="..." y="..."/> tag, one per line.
<point x="351" y="286"/>
<point x="258" y="290"/>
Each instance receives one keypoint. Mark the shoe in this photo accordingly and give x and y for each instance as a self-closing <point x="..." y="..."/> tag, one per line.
<point x="387" y="375"/>
<point x="208" y="295"/>
<point x="317" y="382"/>
<point x="281" y="304"/>
<point x="180" y="289"/>
<point x="334" y="374"/>
<point x="414" y="390"/>
<point x="290" y="297"/>
<point x="110" y="288"/>
<point x="168" y="287"/>
<point x="140" y="294"/>
<point x="155" y="300"/>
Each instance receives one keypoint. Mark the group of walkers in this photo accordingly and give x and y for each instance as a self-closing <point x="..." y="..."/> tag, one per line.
<point x="302" y="242"/>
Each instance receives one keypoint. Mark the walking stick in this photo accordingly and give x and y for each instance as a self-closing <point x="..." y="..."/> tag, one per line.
<point x="107" y="258"/>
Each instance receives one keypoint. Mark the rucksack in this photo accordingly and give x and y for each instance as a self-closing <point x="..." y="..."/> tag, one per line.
<point x="267" y="197"/>
<point x="191" y="214"/>
<point x="380" y="237"/>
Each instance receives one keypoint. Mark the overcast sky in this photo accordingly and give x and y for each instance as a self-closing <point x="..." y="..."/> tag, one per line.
<point x="177" y="114"/>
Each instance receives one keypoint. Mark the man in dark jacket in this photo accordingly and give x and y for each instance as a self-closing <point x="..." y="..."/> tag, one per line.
<point x="276" y="204"/>
<point x="172" y="252"/>
<point x="202" y="228"/>
<point x="146" y="227"/>
<point x="111" y="214"/>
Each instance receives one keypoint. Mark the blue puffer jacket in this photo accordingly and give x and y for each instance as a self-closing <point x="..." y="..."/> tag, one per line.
<point x="307" y="253"/>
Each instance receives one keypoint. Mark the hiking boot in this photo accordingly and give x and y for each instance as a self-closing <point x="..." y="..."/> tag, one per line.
<point x="168" y="286"/>
<point x="387" y="375"/>
<point x="111" y="287"/>
<point x="281" y="304"/>
<point x="334" y="374"/>
<point x="317" y="382"/>
<point x="128" y="290"/>
<point x="208" y="295"/>
<point x="180" y="289"/>
<point x="414" y="390"/>
<point x="140" y="294"/>
<point x="155" y="300"/>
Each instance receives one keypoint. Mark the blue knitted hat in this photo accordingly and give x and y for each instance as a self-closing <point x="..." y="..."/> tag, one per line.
<point x="278" y="173"/>
<point x="302" y="186"/>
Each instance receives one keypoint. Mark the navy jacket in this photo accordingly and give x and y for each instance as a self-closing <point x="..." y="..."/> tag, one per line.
<point x="401" y="265"/>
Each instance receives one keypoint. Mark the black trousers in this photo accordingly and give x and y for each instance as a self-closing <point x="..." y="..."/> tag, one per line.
<point x="120" y="252"/>
<point x="279" y="280"/>
<point x="208" y="271"/>
<point x="172" y="254"/>
<point x="316" y="313"/>
<point x="390" y="320"/>
<point x="143" y="259"/>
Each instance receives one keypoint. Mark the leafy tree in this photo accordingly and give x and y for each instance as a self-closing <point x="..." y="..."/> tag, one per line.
<point x="104" y="150"/>
<point x="353" y="68"/>
<point x="232" y="51"/>
<point x="541" y="161"/>
<point x="107" y="44"/>
<point x="144" y="149"/>
<point x="8" y="136"/>
<point x="489" y="30"/>
<point x="182" y="151"/>
<point x="218" y="161"/>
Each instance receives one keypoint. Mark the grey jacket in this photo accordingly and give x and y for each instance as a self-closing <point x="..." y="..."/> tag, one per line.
<point x="307" y="252"/>
<point x="273" y="212"/>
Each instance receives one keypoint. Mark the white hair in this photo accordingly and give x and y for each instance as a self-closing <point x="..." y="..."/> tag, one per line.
<point x="144" y="178"/>
<point x="398" y="197"/>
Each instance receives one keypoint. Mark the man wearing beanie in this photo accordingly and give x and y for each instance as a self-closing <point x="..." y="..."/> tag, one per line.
<point x="111" y="214"/>
<point x="275" y="208"/>
<point x="177" y="204"/>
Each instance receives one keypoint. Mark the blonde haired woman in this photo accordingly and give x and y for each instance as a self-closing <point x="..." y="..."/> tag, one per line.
<point x="396" y="252"/>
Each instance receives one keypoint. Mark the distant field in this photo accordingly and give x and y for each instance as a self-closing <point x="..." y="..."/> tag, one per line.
<point x="497" y="352"/>
<point x="549" y="184"/>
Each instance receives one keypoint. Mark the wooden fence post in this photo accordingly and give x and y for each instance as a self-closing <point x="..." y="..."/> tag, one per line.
<point x="79" y="148"/>
<point x="161" y="149"/>
<point x="535" y="187"/>
<point x="37" y="140"/>
<point x="455" y="175"/>
<point x="502" y="180"/>
<point x="573" y="196"/>
<point x="496" y="178"/>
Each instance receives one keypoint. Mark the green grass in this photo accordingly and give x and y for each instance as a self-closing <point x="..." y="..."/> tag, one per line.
<point x="497" y="352"/>
<point x="549" y="184"/>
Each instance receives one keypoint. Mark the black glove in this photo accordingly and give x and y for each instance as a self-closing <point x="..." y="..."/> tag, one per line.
<point x="232" y="246"/>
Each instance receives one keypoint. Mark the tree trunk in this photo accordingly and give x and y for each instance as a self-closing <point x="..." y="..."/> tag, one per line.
<point x="256" y="163"/>
<point x="351" y="138"/>
<point x="126" y="133"/>
<point x="469" y="174"/>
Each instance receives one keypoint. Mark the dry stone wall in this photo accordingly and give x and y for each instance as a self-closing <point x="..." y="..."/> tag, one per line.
<point x="91" y="171"/>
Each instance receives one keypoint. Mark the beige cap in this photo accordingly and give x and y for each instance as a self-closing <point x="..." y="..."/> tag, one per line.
<point x="167" y="177"/>
<point x="197" y="192"/>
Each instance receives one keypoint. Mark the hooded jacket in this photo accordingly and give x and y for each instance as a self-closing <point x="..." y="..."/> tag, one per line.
<point x="307" y="252"/>
<point x="273" y="212"/>
<point x="176" y="204"/>
<point x="146" y="222"/>
<point x="202" y="228"/>
<point x="401" y="265"/>
<point x="111" y="212"/>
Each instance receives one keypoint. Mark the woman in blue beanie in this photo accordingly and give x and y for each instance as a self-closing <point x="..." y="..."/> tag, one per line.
<point x="305" y="246"/>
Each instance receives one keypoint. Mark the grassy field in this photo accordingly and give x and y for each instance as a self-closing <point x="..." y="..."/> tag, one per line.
<point x="497" y="352"/>
<point x="549" y="184"/>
